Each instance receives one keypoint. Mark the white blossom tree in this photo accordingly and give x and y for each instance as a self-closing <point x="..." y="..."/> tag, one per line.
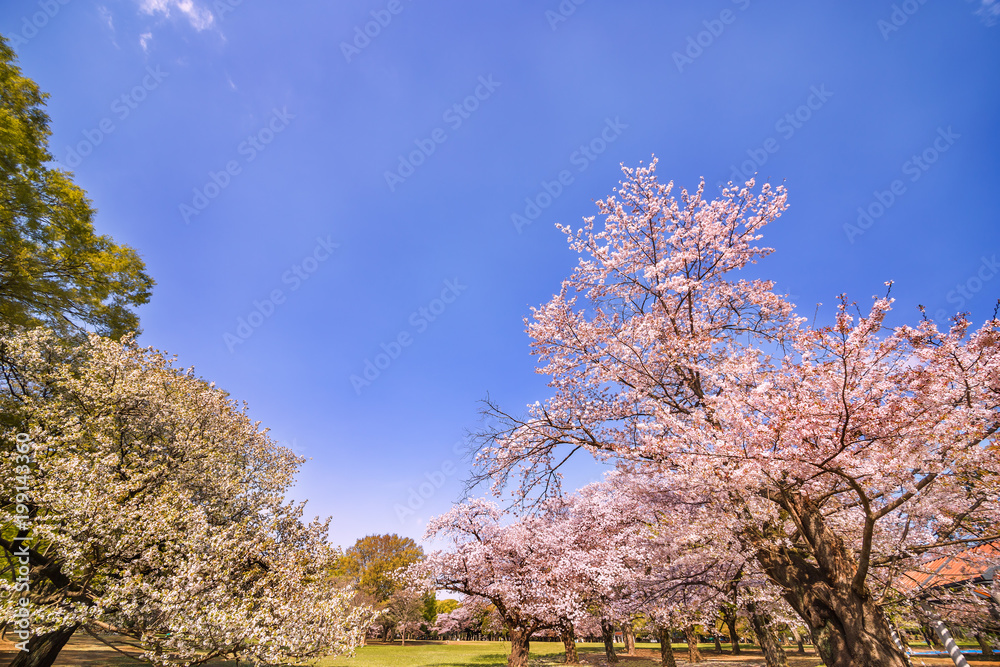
<point x="156" y="510"/>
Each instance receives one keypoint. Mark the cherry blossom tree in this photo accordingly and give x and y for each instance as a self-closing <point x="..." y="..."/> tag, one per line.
<point x="463" y="619"/>
<point x="597" y="550"/>
<point x="505" y="565"/>
<point x="631" y="547"/>
<point x="835" y="454"/>
<point x="141" y="500"/>
<point x="543" y="571"/>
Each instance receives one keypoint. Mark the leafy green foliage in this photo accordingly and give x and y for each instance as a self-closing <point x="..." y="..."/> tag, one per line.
<point x="429" y="612"/>
<point x="446" y="606"/>
<point x="373" y="562"/>
<point x="54" y="269"/>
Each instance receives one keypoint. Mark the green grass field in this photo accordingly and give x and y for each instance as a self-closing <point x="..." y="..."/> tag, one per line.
<point x="83" y="651"/>
<point x="477" y="654"/>
<point x="439" y="654"/>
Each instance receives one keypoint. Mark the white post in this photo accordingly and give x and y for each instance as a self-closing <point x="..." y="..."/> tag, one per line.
<point x="905" y="650"/>
<point x="949" y="643"/>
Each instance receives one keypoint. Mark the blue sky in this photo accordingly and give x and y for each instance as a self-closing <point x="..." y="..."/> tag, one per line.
<point x="309" y="197"/>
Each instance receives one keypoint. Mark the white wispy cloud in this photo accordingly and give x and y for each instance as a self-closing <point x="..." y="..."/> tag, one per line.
<point x="199" y="17"/>
<point x="989" y="11"/>
<point x="144" y="40"/>
<point x="109" y="20"/>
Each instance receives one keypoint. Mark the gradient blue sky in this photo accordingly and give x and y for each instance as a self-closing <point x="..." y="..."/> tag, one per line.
<point x="203" y="80"/>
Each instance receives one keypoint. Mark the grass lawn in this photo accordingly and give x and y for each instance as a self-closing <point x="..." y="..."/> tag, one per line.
<point x="494" y="654"/>
<point x="83" y="651"/>
<point x="419" y="654"/>
<point x="440" y="654"/>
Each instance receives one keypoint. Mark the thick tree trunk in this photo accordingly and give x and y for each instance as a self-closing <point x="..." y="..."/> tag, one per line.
<point x="628" y="634"/>
<point x="519" y="648"/>
<point x="848" y="628"/>
<point x="608" y="635"/>
<point x="43" y="649"/>
<point x="569" y="642"/>
<point x="984" y="644"/>
<point x="666" y="650"/>
<point x="718" y="644"/>
<point x="691" y="637"/>
<point x="774" y="655"/>
<point x="729" y="618"/>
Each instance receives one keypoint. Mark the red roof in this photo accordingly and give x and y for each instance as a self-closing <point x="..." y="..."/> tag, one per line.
<point x="967" y="566"/>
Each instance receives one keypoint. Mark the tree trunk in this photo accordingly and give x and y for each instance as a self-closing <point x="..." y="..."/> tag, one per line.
<point x="628" y="634"/>
<point x="729" y="618"/>
<point x="774" y="655"/>
<point x="43" y="649"/>
<point x="691" y="637"/>
<point x="798" y="640"/>
<point x="718" y="644"/>
<point x="569" y="641"/>
<point x="608" y="635"/>
<point x="848" y="628"/>
<point x="519" y="648"/>
<point x="984" y="644"/>
<point x="666" y="650"/>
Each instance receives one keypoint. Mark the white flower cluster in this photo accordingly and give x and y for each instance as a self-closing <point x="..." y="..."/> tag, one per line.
<point x="159" y="511"/>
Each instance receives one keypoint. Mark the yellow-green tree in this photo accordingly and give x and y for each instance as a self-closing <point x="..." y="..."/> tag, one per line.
<point x="374" y="561"/>
<point x="55" y="270"/>
<point x="446" y="606"/>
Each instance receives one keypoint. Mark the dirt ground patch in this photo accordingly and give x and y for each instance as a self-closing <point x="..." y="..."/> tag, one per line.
<point x="85" y="651"/>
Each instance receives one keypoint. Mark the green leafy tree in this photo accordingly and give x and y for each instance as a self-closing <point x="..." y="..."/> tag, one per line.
<point x="430" y="607"/>
<point x="55" y="270"/>
<point x="446" y="606"/>
<point x="373" y="562"/>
